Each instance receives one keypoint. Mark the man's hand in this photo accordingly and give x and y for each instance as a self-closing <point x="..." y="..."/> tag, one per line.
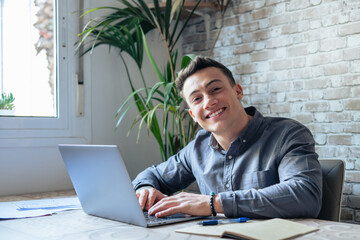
<point x="187" y="203"/>
<point x="148" y="196"/>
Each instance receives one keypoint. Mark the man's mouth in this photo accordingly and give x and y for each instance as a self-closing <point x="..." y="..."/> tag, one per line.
<point x="214" y="114"/>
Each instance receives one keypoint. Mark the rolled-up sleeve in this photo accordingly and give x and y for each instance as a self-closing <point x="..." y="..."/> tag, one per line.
<point x="168" y="177"/>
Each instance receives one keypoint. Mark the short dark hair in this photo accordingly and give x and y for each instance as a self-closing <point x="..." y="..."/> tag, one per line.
<point x="197" y="64"/>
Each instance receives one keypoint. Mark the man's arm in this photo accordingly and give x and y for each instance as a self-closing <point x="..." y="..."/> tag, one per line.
<point x="168" y="177"/>
<point x="299" y="191"/>
<point x="158" y="181"/>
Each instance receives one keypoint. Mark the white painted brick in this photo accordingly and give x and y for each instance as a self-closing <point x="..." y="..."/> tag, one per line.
<point x="316" y="83"/>
<point x="352" y="53"/>
<point x="337" y="93"/>
<point x="320" y="117"/>
<point x="320" y="138"/>
<point x="353" y="40"/>
<point x="317" y="59"/>
<point x="350" y="28"/>
<point x="354" y="16"/>
<point x="336" y="106"/>
<point x="355" y="66"/>
<point x="316" y="72"/>
<point x="357" y="163"/>
<point x="280" y="41"/>
<point x="279" y="8"/>
<point x="260" y="45"/>
<point x="352" y="176"/>
<point x="356" y="140"/>
<point x="297" y="96"/>
<point x="355" y="152"/>
<point x="259" y="4"/>
<point x="337" y="56"/>
<point x="336" y="68"/>
<point x="299" y="62"/>
<point x="264" y="23"/>
<point x="356" y="117"/>
<point x="279" y="108"/>
<point x="303" y="118"/>
<point x="343" y="17"/>
<point x="314" y="24"/>
<point x="350" y="164"/>
<point x="263" y="66"/>
<point x="352" y="127"/>
<point x="317" y="94"/>
<point x="280" y="52"/>
<point x="245" y="58"/>
<point x="297" y="4"/>
<point x="330" y="20"/>
<point x="275" y="32"/>
<point x="347" y="190"/>
<point x="315" y="2"/>
<point x="259" y="99"/>
<point x="352" y="104"/>
<point x="280" y="86"/>
<point x="297" y="107"/>
<point x="279" y="97"/>
<point x="327" y="45"/>
<point x="298" y="85"/>
<point x="336" y="81"/>
<point x="317" y="106"/>
<point x="355" y="91"/>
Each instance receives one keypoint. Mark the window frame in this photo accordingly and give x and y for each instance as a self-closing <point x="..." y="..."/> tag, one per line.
<point x="24" y="130"/>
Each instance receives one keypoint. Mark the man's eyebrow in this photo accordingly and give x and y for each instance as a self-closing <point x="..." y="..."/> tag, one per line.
<point x="206" y="86"/>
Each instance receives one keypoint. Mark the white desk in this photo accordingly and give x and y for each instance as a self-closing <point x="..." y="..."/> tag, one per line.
<point x="76" y="225"/>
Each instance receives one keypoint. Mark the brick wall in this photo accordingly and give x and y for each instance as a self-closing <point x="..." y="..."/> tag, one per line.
<point x="297" y="59"/>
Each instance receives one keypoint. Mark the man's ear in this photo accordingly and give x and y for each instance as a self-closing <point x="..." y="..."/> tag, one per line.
<point x="192" y="115"/>
<point x="239" y="91"/>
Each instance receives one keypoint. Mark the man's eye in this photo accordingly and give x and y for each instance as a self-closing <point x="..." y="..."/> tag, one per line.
<point x="195" y="99"/>
<point x="216" y="89"/>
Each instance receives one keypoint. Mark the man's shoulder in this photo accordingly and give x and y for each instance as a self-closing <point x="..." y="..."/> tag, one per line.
<point x="283" y="121"/>
<point x="284" y="126"/>
<point x="202" y="136"/>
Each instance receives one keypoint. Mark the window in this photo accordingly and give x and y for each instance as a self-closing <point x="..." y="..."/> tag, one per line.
<point x="51" y="107"/>
<point x="28" y="58"/>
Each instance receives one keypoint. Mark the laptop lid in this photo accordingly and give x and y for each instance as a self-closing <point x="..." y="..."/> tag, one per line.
<point x="103" y="185"/>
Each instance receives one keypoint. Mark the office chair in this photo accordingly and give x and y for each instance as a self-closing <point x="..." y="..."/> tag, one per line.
<point x="333" y="172"/>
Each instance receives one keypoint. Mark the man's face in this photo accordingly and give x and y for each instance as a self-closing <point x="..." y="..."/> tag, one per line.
<point x="213" y="102"/>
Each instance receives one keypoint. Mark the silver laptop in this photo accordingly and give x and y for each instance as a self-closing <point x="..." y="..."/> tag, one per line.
<point x="103" y="185"/>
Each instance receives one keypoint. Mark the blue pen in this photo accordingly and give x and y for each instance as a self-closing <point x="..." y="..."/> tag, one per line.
<point x="223" y="221"/>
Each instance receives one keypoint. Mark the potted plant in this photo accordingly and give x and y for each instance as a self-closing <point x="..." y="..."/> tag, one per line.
<point x="7" y="106"/>
<point x="125" y="28"/>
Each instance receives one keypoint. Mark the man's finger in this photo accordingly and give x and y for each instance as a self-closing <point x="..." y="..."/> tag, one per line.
<point x="143" y="198"/>
<point x="150" y="199"/>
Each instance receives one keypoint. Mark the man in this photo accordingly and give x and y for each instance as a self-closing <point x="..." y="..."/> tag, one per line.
<point x="244" y="164"/>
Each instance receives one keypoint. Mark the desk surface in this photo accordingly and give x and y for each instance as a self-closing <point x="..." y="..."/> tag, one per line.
<point x="80" y="226"/>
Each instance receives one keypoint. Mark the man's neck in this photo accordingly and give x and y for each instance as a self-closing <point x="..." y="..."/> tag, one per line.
<point x="225" y="139"/>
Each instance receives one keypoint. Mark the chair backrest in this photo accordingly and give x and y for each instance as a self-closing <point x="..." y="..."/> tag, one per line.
<point x="333" y="172"/>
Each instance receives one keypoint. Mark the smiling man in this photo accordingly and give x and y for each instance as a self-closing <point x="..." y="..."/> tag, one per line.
<point x="245" y="164"/>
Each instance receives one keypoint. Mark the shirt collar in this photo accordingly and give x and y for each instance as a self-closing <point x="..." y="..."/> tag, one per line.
<point x="251" y="127"/>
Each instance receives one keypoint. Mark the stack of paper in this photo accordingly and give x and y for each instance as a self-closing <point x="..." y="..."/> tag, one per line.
<point x="34" y="208"/>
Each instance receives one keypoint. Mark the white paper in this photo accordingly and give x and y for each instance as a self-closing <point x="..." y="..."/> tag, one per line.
<point x="35" y="208"/>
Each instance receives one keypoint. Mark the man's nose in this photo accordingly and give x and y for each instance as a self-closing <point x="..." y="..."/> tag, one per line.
<point x="210" y="102"/>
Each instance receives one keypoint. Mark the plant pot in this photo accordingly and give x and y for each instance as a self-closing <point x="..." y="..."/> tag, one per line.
<point x="7" y="112"/>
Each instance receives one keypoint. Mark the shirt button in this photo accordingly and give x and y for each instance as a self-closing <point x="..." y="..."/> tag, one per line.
<point x="230" y="157"/>
<point x="227" y="185"/>
<point x="244" y="140"/>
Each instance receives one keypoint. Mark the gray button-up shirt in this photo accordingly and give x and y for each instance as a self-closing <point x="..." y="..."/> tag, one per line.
<point x="270" y="170"/>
